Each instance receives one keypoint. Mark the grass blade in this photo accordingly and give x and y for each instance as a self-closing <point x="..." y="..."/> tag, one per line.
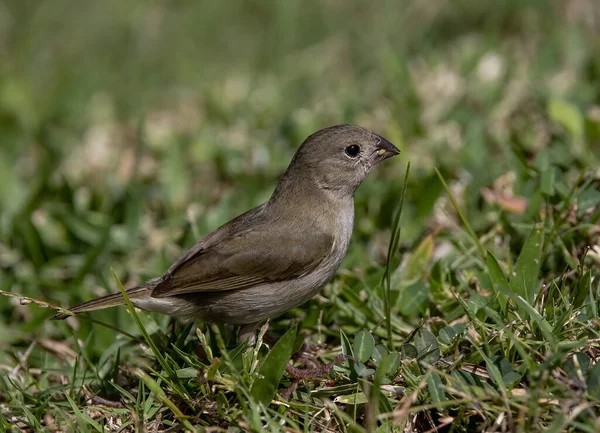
<point x="392" y="248"/>
<point x="158" y="391"/>
<point x="435" y="387"/>
<point x="173" y="379"/>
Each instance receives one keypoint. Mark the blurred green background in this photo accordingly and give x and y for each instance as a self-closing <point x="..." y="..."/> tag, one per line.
<point x="131" y="129"/>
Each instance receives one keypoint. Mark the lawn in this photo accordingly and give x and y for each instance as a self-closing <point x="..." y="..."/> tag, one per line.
<point x="469" y="298"/>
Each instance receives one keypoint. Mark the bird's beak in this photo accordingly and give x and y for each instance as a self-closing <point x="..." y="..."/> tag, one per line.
<point x="384" y="150"/>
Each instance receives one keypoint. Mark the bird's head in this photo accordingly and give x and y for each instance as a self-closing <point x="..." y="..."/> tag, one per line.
<point x="339" y="158"/>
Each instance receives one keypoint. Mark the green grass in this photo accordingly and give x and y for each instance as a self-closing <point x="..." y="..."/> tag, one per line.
<point x="130" y="130"/>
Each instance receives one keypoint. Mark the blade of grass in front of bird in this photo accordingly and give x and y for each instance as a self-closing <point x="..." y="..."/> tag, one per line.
<point x="83" y="420"/>
<point x="393" y="246"/>
<point x="174" y="380"/>
<point x="160" y="393"/>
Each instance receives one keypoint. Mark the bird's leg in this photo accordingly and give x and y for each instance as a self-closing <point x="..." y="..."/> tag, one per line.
<point x="247" y="333"/>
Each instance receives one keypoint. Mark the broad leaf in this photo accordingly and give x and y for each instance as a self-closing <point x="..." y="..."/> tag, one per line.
<point x="498" y="279"/>
<point x="524" y="281"/>
<point x="364" y="344"/>
<point x="272" y="368"/>
<point x="427" y="346"/>
<point x="435" y="387"/>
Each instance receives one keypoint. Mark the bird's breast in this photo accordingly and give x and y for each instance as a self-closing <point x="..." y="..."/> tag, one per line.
<point x="343" y="221"/>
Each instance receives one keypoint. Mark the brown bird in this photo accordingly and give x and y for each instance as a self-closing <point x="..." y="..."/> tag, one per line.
<point x="278" y="255"/>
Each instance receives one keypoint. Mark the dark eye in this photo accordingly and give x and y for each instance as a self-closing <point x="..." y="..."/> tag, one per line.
<point x="353" y="150"/>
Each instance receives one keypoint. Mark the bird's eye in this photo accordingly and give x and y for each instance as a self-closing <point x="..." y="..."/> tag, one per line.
<point x="353" y="150"/>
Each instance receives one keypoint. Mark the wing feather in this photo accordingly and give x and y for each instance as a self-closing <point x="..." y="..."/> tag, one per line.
<point x="245" y="259"/>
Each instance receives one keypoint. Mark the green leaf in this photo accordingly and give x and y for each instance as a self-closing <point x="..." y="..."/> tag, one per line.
<point x="376" y="397"/>
<point x="524" y="281"/>
<point x="558" y="424"/>
<point x="436" y="278"/>
<point x="353" y="399"/>
<point x="593" y="383"/>
<point x="364" y="344"/>
<point x="272" y="368"/>
<point x="578" y="362"/>
<point x="547" y="179"/>
<point x="83" y="421"/>
<point x="389" y="364"/>
<point x="547" y="173"/>
<point x="388" y="426"/>
<point x="347" y="350"/>
<point x="155" y="387"/>
<point x="447" y="334"/>
<point x="588" y="199"/>
<point x="300" y="339"/>
<point x="408" y="351"/>
<point x="392" y="249"/>
<point x="412" y="299"/>
<point x="435" y="387"/>
<point x="582" y="289"/>
<point x="379" y="352"/>
<point x="528" y="310"/>
<point x="511" y="378"/>
<point x="363" y="371"/>
<point x="187" y="373"/>
<point x="418" y="260"/>
<point x="568" y="115"/>
<point x="212" y="369"/>
<point x="493" y="371"/>
<point x="498" y="280"/>
<point x="335" y="390"/>
<point x="427" y="346"/>
<point x="173" y="381"/>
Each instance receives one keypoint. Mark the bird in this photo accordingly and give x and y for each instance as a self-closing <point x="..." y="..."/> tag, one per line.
<point x="276" y="256"/>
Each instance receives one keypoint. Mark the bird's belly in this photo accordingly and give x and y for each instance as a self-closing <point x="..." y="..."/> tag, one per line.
<point x="259" y="303"/>
<point x="253" y="304"/>
<point x="237" y="307"/>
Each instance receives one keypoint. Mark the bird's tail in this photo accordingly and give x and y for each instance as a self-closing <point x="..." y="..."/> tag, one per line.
<point x="107" y="301"/>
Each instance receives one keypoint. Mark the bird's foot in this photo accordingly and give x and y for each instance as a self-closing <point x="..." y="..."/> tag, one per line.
<point x="317" y="372"/>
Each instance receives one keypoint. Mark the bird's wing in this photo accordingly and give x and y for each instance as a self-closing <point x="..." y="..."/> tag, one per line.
<point x="246" y="258"/>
